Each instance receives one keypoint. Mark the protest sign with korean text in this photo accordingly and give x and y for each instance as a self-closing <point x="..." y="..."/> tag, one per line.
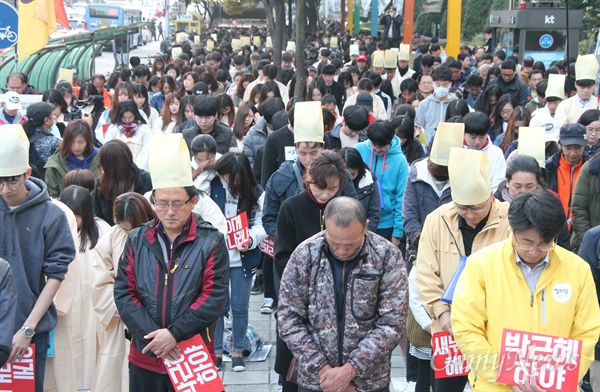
<point x="194" y="371"/>
<point x="267" y="247"/>
<point x="238" y="233"/>
<point x="552" y="360"/>
<point x="448" y="361"/>
<point x="19" y="375"/>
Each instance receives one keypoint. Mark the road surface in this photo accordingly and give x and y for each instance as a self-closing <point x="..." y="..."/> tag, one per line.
<point x="106" y="62"/>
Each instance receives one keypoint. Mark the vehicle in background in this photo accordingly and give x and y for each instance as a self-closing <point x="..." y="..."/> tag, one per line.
<point x="114" y="15"/>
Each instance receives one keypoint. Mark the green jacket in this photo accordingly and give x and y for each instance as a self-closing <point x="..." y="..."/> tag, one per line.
<point x="57" y="168"/>
<point x="586" y="201"/>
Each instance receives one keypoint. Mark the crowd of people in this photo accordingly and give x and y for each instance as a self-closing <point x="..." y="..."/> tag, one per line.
<point x="373" y="187"/>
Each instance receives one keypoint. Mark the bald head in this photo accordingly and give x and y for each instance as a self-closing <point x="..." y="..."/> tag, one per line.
<point x="344" y="211"/>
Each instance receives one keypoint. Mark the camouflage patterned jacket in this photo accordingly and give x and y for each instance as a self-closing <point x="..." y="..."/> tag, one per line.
<point x="375" y="312"/>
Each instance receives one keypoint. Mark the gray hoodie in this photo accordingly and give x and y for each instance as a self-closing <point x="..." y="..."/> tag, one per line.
<point x="36" y="241"/>
<point x="430" y="113"/>
<point x="8" y="309"/>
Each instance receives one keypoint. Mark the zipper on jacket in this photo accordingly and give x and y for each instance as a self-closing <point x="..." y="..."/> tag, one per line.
<point x="166" y="287"/>
<point x="531" y="304"/>
<point x="341" y="333"/>
<point x="543" y="306"/>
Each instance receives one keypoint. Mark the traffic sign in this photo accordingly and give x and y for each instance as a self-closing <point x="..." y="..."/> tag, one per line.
<point x="9" y="22"/>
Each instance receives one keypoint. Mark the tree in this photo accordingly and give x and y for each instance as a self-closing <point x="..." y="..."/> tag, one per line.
<point x="474" y="17"/>
<point x="276" y="21"/>
<point x="236" y="7"/>
<point x="300" y="56"/>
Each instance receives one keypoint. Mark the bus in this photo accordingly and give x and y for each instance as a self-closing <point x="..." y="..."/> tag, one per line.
<point x="113" y="15"/>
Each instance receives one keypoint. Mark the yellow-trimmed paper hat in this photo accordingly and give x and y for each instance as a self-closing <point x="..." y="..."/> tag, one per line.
<point x="378" y="58"/>
<point x="245" y="40"/>
<point x="556" y="86"/>
<point x="333" y="43"/>
<point x="214" y="37"/>
<point x="448" y="135"/>
<point x="236" y="44"/>
<point x="532" y="142"/>
<point x="586" y="67"/>
<point x="469" y="172"/>
<point x="256" y="40"/>
<point x="309" y="127"/>
<point x="354" y="50"/>
<point x="169" y="162"/>
<point x="389" y="60"/>
<point x="210" y="45"/>
<point x="269" y="43"/>
<point x="291" y="46"/>
<point x="14" y="151"/>
<point x="404" y="52"/>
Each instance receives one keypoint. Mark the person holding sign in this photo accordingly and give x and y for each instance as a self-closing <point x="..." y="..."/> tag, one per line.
<point x="342" y="303"/>
<point x="240" y="198"/>
<point x="173" y="275"/>
<point x="451" y="233"/>
<point x="525" y="311"/>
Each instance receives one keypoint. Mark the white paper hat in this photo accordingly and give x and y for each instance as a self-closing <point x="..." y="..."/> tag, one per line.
<point x="532" y="142"/>
<point x="448" y="135"/>
<point x="169" y="162"/>
<point x="14" y="151"/>
<point x="245" y="40"/>
<point x="378" y="58"/>
<point x="256" y="40"/>
<point x="308" y="123"/>
<point x="469" y="172"/>
<point x="236" y="44"/>
<point x="354" y="50"/>
<point x="586" y="67"/>
<point x="389" y="60"/>
<point x="543" y="119"/>
<point x="291" y="46"/>
<point x="556" y="86"/>
<point x="404" y="53"/>
<point x="269" y="43"/>
<point x="334" y="42"/>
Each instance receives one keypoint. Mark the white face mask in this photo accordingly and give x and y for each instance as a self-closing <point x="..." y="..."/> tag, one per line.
<point x="441" y="91"/>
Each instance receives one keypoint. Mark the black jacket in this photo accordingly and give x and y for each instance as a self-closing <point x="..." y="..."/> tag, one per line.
<point x="515" y="87"/>
<point x="393" y="23"/>
<point x="103" y="207"/>
<point x="333" y="141"/>
<point x="339" y="92"/>
<point x="183" y="290"/>
<point x="222" y="134"/>
<point x="274" y="153"/>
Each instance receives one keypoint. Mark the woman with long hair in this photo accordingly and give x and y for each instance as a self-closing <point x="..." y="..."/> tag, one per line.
<point x="255" y="94"/>
<point x="168" y="116"/>
<point x="123" y="92"/>
<point x="54" y="97"/>
<point x="500" y="115"/>
<point x="316" y="90"/>
<point x="76" y="151"/>
<point x="240" y="89"/>
<point x="236" y="191"/>
<point x="488" y="102"/>
<point x="244" y="120"/>
<point x="365" y="183"/>
<point x="404" y="127"/>
<point x="130" y="210"/>
<point x="269" y="90"/>
<point x="83" y="317"/>
<point x="118" y="175"/>
<point x="520" y="117"/>
<point x="140" y="97"/>
<point x="188" y="80"/>
<point x="226" y="110"/>
<point x="127" y="124"/>
<point x="158" y="66"/>
<point x="301" y="217"/>
<point x="166" y="85"/>
<point x="186" y="109"/>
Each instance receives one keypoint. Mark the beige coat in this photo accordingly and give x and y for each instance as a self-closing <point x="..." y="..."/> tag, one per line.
<point x="569" y="110"/>
<point x="60" y="370"/>
<point x="111" y="371"/>
<point x="86" y="326"/>
<point x="378" y="107"/>
<point x="440" y="248"/>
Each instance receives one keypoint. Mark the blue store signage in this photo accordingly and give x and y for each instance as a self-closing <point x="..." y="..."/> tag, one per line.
<point x="546" y="41"/>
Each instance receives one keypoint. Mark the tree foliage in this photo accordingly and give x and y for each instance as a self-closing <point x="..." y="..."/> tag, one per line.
<point x="237" y="7"/>
<point x="475" y="17"/>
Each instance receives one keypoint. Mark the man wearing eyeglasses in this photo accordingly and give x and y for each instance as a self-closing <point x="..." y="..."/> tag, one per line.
<point x="36" y="241"/>
<point x="524" y="283"/>
<point x="569" y="110"/>
<point x="174" y="272"/>
<point x="451" y="233"/>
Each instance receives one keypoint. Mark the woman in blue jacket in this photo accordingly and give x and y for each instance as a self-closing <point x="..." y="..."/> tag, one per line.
<point x="383" y="155"/>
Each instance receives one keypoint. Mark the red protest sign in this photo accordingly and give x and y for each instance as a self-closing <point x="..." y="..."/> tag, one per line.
<point x="238" y="233"/>
<point x="267" y="247"/>
<point x="19" y="375"/>
<point x="552" y="360"/>
<point x="448" y="361"/>
<point x="194" y="371"/>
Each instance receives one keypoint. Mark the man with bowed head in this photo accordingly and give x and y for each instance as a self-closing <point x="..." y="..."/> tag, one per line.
<point x="343" y="342"/>
<point x="173" y="275"/>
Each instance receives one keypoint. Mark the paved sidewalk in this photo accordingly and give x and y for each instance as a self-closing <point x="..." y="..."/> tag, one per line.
<point x="260" y="376"/>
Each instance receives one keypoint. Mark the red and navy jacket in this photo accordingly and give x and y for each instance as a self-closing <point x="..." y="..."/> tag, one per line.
<point x="180" y="286"/>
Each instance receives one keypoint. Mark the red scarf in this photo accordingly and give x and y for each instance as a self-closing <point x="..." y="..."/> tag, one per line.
<point x="128" y="129"/>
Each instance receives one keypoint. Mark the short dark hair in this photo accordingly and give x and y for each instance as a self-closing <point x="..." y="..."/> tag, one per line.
<point x="271" y="71"/>
<point x="541" y="88"/>
<point x="474" y="80"/>
<point x="539" y="210"/>
<point x="454" y="64"/>
<point x="442" y="73"/>
<point x="523" y="164"/>
<point x="329" y="69"/>
<point x="477" y="123"/>
<point x="509" y="64"/>
<point x="204" y="143"/>
<point x="365" y="84"/>
<point x="356" y="117"/>
<point x="380" y="132"/>
<point x="205" y="105"/>
<point x="269" y="107"/>
<point x="327" y="164"/>
<point x="376" y="79"/>
<point x="409" y="84"/>
<point x="427" y="60"/>
<point x="528" y="62"/>
<point x="500" y="54"/>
